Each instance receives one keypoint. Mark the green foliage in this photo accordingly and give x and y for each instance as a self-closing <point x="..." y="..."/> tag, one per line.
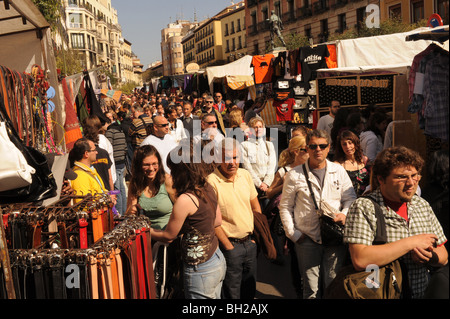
<point x="50" y="10"/>
<point x="127" y="88"/>
<point x="389" y="26"/>
<point x="68" y="61"/>
<point x="293" y="41"/>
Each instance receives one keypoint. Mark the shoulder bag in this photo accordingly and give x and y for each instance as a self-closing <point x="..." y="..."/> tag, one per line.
<point x="386" y="282"/>
<point x="331" y="232"/>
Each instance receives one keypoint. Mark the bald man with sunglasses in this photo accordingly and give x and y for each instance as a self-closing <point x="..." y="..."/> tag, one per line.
<point x="331" y="187"/>
<point x="161" y="139"/>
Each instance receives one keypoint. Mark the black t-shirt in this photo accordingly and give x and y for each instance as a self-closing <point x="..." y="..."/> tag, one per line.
<point x="311" y="60"/>
<point x="102" y="165"/>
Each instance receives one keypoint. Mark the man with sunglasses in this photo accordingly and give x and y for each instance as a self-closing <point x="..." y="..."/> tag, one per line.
<point x="161" y="139"/>
<point x="331" y="187"/>
<point x="208" y="108"/>
<point x="414" y="234"/>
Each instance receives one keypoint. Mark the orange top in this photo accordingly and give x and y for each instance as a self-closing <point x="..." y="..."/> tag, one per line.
<point x="262" y="68"/>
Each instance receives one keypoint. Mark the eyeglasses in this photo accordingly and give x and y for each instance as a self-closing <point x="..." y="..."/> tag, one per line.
<point x="211" y="123"/>
<point x="162" y="125"/>
<point x="92" y="151"/>
<point x="314" y="146"/>
<point x="210" y="102"/>
<point x="303" y="149"/>
<point x="405" y="178"/>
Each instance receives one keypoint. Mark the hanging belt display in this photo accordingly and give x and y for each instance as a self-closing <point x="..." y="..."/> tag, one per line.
<point x="77" y="252"/>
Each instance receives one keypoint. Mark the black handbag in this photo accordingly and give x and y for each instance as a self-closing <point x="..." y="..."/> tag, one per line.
<point x="43" y="184"/>
<point x="331" y="232"/>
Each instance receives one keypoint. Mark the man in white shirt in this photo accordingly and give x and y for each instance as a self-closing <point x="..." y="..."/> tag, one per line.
<point x="326" y="121"/>
<point x="331" y="187"/>
<point x="161" y="139"/>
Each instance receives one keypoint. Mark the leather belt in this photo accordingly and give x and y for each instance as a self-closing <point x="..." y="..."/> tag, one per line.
<point x="239" y="240"/>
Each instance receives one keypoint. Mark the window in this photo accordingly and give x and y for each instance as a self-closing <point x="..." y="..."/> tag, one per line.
<point x="360" y="17"/>
<point x="342" y="22"/>
<point x="232" y="27"/>
<point x="442" y="10"/>
<point x="226" y="29"/>
<point x="308" y="31"/>
<point x="417" y="11"/>
<point x="238" y="25"/>
<point x="75" y="20"/>
<point x="395" y="12"/>
<point x="324" y="30"/>
<point x="77" y="40"/>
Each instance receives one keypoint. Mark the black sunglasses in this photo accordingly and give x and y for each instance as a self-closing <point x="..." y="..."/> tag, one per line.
<point x="314" y="146"/>
<point x="162" y="125"/>
<point x="212" y="122"/>
<point x="209" y="101"/>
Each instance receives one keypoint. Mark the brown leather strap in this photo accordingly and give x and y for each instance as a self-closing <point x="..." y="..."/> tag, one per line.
<point x="63" y="235"/>
<point x="114" y="275"/>
<point x="97" y="227"/>
<point x="94" y="277"/>
<point x="120" y="274"/>
<point x="37" y="232"/>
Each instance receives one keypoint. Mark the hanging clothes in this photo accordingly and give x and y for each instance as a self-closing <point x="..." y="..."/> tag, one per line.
<point x="430" y="96"/>
<point x="263" y="68"/>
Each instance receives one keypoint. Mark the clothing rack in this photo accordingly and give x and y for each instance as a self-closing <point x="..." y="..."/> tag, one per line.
<point x="88" y="254"/>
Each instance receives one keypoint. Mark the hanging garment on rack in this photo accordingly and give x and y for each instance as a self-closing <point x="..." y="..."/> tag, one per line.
<point x="430" y="96"/>
<point x="263" y="68"/>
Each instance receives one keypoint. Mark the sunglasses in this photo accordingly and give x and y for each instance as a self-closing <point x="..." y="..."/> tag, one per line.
<point x="162" y="125"/>
<point x="211" y="123"/>
<point x="314" y="146"/>
<point x="210" y="102"/>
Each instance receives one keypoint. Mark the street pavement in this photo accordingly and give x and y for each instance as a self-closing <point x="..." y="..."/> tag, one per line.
<point x="274" y="281"/>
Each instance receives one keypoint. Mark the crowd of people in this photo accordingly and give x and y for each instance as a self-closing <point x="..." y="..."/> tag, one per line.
<point x="202" y="169"/>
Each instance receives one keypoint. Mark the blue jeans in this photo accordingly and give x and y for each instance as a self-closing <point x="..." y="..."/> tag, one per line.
<point x="204" y="281"/>
<point x="240" y="280"/>
<point x="318" y="265"/>
<point x="121" y="205"/>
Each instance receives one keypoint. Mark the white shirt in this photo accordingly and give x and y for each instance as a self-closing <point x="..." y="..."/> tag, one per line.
<point x="163" y="145"/>
<point x="178" y="133"/>
<point x="297" y="211"/>
<point x="325" y="123"/>
<point x="371" y="145"/>
<point x="260" y="159"/>
<point x="104" y="143"/>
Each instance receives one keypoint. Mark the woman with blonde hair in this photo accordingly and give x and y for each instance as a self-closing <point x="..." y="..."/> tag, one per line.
<point x="294" y="155"/>
<point x="239" y="129"/>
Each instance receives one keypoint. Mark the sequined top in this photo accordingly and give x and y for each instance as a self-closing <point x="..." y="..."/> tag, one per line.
<point x="199" y="241"/>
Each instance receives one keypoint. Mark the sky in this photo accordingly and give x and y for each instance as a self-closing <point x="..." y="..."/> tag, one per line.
<point x="143" y="20"/>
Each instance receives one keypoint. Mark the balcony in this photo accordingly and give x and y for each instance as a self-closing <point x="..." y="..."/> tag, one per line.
<point x="320" y="7"/>
<point x="304" y="12"/>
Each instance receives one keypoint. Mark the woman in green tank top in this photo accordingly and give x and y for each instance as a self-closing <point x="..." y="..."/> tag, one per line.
<point x="150" y="188"/>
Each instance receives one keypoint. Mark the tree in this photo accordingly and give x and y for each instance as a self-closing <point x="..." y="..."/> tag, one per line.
<point x="388" y="26"/>
<point x="293" y="41"/>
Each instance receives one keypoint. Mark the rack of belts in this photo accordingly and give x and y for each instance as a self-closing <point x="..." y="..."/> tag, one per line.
<point x="25" y="98"/>
<point x="76" y="252"/>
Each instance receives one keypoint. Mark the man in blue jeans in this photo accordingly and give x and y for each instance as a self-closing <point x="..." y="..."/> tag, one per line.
<point x="238" y="201"/>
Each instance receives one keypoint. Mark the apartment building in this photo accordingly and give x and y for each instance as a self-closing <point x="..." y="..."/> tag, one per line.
<point x="93" y="30"/>
<point x="171" y="47"/>
<point x="411" y="11"/>
<point x="314" y="19"/>
<point x="234" y="32"/>
<point x="217" y="40"/>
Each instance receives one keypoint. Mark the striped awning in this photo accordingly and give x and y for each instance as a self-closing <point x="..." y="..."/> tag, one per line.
<point x="269" y="114"/>
<point x="240" y="82"/>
